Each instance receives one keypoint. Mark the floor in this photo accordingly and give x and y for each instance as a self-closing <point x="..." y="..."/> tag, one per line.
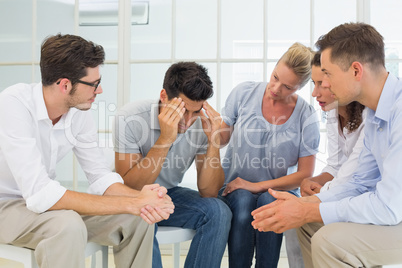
<point x="167" y="262"/>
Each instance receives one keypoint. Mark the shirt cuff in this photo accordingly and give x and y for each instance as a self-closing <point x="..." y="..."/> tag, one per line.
<point x="325" y="187"/>
<point x="100" y="185"/>
<point x="328" y="212"/>
<point x="46" y="197"/>
<point x="326" y="196"/>
<point x="330" y="170"/>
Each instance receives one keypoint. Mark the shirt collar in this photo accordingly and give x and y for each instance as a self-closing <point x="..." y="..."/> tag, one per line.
<point x="387" y="97"/>
<point x="41" y="111"/>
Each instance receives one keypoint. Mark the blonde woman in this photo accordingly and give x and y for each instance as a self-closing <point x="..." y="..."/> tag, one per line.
<point x="270" y="129"/>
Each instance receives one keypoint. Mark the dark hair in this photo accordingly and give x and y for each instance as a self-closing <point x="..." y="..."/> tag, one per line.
<point x="68" y="56"/>
<point x="190" y="79"/>
<point x="354" y="109"/>
<point x="351" y="42"/>
<point x="316" y="61"/>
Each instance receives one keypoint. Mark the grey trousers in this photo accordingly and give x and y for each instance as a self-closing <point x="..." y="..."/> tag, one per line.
<point x="350" y="245"/>
<point x="59" y="237"/>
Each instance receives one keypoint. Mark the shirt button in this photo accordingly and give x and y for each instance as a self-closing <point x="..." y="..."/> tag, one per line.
<point x="380" y="129"/>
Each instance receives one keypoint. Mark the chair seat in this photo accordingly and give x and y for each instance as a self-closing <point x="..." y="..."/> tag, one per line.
<point x="173" y="235"/>
<point x="27" y="256"/>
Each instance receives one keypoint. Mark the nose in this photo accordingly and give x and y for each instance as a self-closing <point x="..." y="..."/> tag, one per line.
<point x="316" y="91"/>
<point x="276" y="87"/>
<point x="99" y="90"/>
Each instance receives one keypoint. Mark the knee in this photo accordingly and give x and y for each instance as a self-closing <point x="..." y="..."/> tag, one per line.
<point x="220" y="210"/>
<point x="217" y="213"/>
<point x="322" y="238"/>
<point x="264" y="199"/>
<point x="69" y="225"/>
<point x="241" y="200"/>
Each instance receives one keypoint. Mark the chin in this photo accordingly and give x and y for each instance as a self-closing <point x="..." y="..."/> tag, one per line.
<point x="83" y="107"/>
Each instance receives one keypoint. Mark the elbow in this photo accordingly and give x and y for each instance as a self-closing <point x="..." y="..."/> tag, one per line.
<point x="208" y="193"/>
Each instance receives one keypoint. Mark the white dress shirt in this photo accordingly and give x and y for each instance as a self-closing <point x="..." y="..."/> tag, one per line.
<point x="31" y="146"/>
<point x="344" y="148"/>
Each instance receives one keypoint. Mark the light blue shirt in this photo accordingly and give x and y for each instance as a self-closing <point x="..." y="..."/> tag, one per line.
<point x="260" y="151"/>
<point x="374" y="195"/>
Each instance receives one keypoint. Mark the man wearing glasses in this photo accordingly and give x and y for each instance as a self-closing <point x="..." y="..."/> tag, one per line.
<point x="39" y="125"/>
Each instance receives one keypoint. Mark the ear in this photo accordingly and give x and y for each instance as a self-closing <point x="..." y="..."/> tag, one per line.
<point x="63" y="85"/>
<point x="163" y="96"/>
<point x="357" y="69"/>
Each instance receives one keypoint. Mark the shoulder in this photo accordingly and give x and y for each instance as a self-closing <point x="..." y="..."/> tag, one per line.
<point x="244" y="89"/>
<point x="22" y="92"/>
<point x="19" y="97"/>
<point x="306" y="110"/>
<point x="138" y="108"/>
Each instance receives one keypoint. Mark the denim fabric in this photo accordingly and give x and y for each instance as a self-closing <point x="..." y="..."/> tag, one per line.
<point x="243" y="238"/>
<point x="210" y="217"/>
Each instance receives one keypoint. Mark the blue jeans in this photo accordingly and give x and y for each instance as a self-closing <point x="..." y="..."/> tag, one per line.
<point x="243" y="238"/>
<point x="210" y="217"/>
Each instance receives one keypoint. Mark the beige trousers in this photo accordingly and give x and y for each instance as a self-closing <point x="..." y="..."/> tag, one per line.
<point x="350" y="245"/>
<point x="59" y="237"/>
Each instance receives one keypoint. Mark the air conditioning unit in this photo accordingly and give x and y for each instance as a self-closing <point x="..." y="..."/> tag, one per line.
<point x="105" y="12"/>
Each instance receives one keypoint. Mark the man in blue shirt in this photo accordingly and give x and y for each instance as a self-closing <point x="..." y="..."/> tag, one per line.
<point x="357" y="224"/>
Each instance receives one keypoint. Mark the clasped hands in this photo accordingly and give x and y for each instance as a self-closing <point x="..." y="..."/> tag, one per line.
<point x="157" y="204"/>
<point x="286" y="212"/>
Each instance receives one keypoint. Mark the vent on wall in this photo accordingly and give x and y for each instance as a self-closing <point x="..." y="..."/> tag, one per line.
<point x="105" y="12"/>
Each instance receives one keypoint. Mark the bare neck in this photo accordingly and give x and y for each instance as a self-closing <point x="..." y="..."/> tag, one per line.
<point x="54" y="103"/>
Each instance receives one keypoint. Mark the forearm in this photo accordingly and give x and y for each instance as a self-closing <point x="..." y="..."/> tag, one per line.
<point x="118" y="189"/>
<point x="147" y="170"/>
<point x="211" y="176"/>
<point x="312" y="212"/>
<point x="322" y="178"/>
<point x="87" y="204"/>
<point x="285" y="183"/>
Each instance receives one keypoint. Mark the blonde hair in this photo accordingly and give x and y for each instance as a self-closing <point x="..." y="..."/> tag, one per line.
<point x="298" y="58"/>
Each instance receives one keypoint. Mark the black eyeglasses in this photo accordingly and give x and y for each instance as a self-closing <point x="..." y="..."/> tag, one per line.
<point x="95" y="85"/>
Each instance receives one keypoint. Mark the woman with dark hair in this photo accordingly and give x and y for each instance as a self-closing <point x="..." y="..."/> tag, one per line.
<point x="345" y="136"/>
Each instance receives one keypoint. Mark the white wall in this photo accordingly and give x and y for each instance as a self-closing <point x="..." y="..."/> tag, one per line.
<point x="236" y="40"/>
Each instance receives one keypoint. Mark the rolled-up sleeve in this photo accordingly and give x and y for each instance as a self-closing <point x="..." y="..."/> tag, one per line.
<point x="46" y="197"/>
